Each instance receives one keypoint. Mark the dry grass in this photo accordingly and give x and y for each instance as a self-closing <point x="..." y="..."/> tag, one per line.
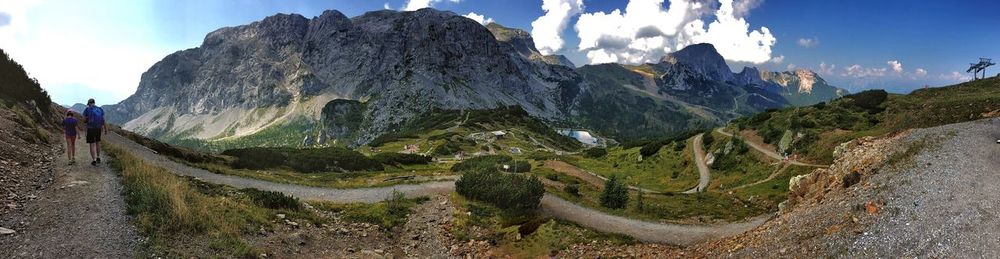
<point x="184" y="218"/>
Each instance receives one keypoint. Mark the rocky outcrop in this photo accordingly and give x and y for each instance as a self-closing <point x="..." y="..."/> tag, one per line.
<point x="854" y="160"/>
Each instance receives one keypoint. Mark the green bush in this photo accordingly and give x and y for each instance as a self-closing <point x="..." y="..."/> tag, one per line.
<point x="309" y="160"/>
<point x="650" y="149"/>
<point x="493" y="162"/>
<point x="869" y="100"/>
<point x="595" y="152"/>
<point x="615" y="193"/>
<point x="520" y="193"/>
<point x="272" y="199"/>
<point x="401" y="159"/>
<point x="679" y="145"/>
<point x="707" y="139"/>
<point x="572" y="189"/>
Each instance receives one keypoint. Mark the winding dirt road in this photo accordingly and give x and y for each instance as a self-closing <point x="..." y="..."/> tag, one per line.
<point x="589" y="177"/>
<point x="770" y="153"/>
<point x="642" y="230"/>
<point x="704" y="176"/>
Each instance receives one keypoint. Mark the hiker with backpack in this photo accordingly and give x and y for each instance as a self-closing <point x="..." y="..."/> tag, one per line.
<point x="93" y="117"/>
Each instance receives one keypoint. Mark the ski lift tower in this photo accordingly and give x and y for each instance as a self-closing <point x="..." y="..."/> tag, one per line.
<point x="976" y="68"/>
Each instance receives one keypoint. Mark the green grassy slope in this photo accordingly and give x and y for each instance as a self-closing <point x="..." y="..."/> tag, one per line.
<point x="818" y="129"/>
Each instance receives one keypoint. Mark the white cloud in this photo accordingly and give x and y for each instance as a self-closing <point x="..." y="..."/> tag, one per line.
<point x="547" y="29"/>
<point x="896" y="66"/>
<point x="778" y="59"/>
<point x="808" y="43"/>
<point x="955" y="76"/>
<point x="481" y="19"/>
<point x="920" y="72"/>
<point x="741" y="8"/>
<point x="645" y="31"/>
<point x="825" y="69"/>
<point x="858" y="71"/>
<point x="386" y="6"/>
<point x="413" y="5"/>
<point x="790" y="67"/>
<point x="66" y="59"/>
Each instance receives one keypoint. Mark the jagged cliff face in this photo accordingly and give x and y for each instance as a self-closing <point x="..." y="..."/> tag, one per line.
<point x="291" y="80"/>
<point x="801" y="87"/>
<point x="244" y="79"/>
<point x="524" y="45"/>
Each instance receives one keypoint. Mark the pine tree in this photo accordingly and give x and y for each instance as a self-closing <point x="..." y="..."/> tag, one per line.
<point x="615" y="193"/>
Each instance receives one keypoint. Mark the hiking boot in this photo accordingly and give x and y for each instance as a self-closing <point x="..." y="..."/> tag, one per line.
<point x="93" y="163"/>
<point x="72" y="161"/>
<point x="98" y="160"/>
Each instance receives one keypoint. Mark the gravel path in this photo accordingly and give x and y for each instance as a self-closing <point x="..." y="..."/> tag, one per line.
<point x="770" y="153"/>
<point x="646" y="231"/>
<point x="704" y="176"/>
<point x="946" y="203"/>
<point x="81" y="215"/>
<point x="675" y="234"/>
<point x="589" y="177"/>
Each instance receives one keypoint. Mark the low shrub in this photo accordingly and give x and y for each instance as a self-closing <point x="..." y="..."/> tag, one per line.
<point x="572" y="189"/>
<point x="490" y="162"/>
<point x="595" y="152"/>
<point x="520" y="193"/>
<point x="869" y="100"/>
<point x="650" y="149"/>
<point x="615" y="195"/>
<point x="401" y="159"/>
<point x="272" y="199"/>
<point x="309" y="160"/>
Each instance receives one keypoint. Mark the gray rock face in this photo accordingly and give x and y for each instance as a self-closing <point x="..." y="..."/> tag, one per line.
<point x="383" y="68"/>
<point x="522" y="42"/>
<point x="703" y="60"/>
<point x="402" y="63"/>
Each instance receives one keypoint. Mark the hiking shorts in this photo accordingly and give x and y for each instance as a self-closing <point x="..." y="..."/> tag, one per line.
<point x="93" y="135"/>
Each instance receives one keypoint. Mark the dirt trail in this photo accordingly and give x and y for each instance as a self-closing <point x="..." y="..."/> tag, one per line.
<point x="704" y="176"/>
<point x="770" y="153"/>
<point x="80" y="215"/>
<point x="646" y="231"/>
<point x="591" y="178"/>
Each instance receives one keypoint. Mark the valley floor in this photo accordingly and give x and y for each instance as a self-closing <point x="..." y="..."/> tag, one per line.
<point x="677" y="234"/>
<point x="930" y="192"/>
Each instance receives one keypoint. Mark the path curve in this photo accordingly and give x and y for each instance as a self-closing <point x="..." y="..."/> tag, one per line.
<point x="676" y="234"/>
<point x="770" y="153"/>
<point x="704" y="176"/>
<point x="589" y="177"/>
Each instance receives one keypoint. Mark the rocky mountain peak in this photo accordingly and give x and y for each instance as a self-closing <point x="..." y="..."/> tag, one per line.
<point x="704" y="59"/>
<point x="524" y="44"/>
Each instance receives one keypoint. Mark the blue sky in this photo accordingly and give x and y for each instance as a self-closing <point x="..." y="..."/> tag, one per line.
<point x="99" y="49"/>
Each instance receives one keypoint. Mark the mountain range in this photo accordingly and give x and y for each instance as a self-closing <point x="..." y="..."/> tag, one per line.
<point x="337" y="80"/>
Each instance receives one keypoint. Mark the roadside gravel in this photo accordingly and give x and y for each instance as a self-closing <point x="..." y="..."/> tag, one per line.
<point x="80" y="215"/>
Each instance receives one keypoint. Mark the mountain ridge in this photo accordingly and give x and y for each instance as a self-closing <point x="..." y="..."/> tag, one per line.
<point x="277" y="75"/>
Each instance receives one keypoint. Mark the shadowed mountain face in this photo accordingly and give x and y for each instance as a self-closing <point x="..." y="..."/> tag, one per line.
<point x="275" y="79"/>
